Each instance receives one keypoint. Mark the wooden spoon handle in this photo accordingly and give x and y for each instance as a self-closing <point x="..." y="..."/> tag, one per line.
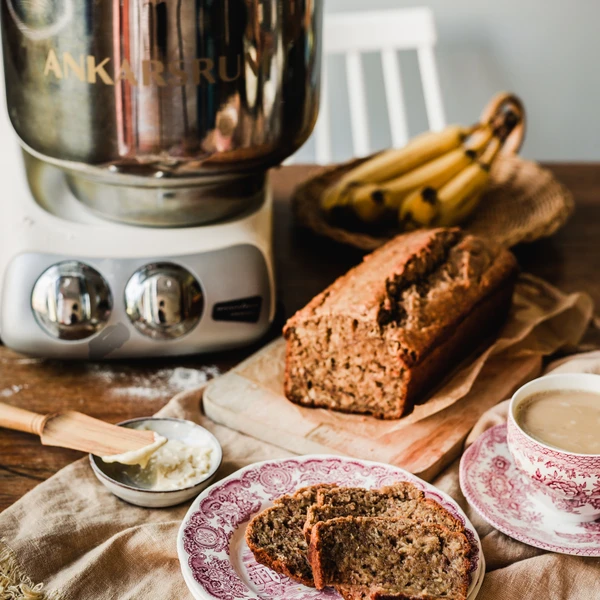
<point x="20" y="419"/>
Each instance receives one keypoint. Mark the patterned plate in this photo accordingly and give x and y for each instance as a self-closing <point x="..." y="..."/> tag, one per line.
<point x="505" y="498"/>
<point x="474" y="589"/>
<point x="215" y="560"/>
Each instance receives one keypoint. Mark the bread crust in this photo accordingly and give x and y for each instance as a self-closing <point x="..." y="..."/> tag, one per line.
<point x="264" y="558"/>
<point x="353" y="592"/>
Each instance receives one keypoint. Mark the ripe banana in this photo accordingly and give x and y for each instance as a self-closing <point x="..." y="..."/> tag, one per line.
<point x="368" y="207"/>
<point x="480" y="138"/>
<point x="392" y="163"/>
<point x="440" y="206"/>
<point x="433" y="174"/>
<point x="456" y="194"/>
<point x="437" y="179"/>
<point x="419" y="208"/>
<point x="464" y="210"/>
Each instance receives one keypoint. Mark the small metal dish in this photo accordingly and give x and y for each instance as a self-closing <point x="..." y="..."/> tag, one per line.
<point x="115" y="475"/>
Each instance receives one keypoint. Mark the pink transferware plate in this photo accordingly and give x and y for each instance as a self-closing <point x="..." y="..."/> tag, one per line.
<point x="505" y="498"/>
<point x="216" y="562"/>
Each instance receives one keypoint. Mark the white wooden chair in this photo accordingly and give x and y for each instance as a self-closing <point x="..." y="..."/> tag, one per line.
<point x="387" y="32"/>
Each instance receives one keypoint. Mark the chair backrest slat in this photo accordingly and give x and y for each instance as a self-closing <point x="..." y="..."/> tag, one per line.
<point x="431" y="88"/>
<point x="387" y="32"/>
<point x="394" y="96"/>
<point x="358" y="103"/>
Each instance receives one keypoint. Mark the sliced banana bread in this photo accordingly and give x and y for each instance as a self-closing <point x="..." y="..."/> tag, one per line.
<point x="276" y="536"/>
<point x="382" y="335"/>
<point x="401" y="500"/>
<point x="395" y="558"/>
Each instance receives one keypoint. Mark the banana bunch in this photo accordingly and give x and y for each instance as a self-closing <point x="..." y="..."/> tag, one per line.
<point x="437" y="179"/>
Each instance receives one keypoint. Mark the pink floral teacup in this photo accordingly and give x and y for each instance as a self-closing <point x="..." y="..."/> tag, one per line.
<point x="568" y="483"/>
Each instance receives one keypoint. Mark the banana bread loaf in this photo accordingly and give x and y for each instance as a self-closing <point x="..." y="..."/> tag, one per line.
<point x="395" y="559"/>
<point x="386" y="332"/>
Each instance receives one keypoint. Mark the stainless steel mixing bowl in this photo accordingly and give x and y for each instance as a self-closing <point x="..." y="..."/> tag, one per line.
<point x="148" y="103"/>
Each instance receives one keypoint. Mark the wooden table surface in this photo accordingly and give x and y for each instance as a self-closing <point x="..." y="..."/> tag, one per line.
<point x="305" y="264"/>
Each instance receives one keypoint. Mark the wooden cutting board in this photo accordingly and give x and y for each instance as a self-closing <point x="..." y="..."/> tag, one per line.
<point x="250" y="399"/>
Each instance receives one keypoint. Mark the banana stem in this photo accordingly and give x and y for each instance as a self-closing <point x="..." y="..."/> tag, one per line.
<point x="490" y="153"/>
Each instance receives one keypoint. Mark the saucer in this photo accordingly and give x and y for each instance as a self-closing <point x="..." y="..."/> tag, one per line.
<point x="505" y="498"/>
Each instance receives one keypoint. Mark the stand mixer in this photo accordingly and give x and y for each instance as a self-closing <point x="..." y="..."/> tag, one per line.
<point x="137" y="217"/>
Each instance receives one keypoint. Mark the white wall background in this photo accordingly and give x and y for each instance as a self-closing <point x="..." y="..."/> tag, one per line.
<point x="547" y="51"/>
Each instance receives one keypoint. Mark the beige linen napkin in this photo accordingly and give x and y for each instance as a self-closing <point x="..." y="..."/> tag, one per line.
<point x="71" y="534"/>
<point x="76" y="541"/>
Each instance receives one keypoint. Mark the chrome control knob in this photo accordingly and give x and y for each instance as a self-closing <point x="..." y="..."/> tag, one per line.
<point x="163" y="301"/>
<point x="71" y="301"/>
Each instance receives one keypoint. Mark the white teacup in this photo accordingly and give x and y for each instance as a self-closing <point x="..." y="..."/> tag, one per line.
<point x="567" y="482"/>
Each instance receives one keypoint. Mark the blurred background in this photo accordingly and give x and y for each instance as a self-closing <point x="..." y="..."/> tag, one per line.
<point x="546" y="51"/>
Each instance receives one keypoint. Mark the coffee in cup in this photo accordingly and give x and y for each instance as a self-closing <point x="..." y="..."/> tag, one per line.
<point x="564" y="419"/>
<point x="553" y="435"/>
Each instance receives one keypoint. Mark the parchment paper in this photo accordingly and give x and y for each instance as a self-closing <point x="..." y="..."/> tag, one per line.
<point x="542" y="320"/>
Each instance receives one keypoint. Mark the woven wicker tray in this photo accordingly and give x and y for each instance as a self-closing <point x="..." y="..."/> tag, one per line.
<point x="524" y="203"/>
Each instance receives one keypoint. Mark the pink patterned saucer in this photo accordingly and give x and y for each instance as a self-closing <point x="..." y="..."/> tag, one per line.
<point x="215" y="560"/>
<point x="506" y="498"/>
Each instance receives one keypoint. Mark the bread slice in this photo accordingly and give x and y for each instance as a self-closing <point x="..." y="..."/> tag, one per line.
<point x="401" y="500"/>
<point x="396" y="559"/>
<point x="276" y="536"/>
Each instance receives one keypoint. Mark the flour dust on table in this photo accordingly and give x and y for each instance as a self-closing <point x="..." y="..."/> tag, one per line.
<point x="125" y="381"/>
<point x="12" y="390"/>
